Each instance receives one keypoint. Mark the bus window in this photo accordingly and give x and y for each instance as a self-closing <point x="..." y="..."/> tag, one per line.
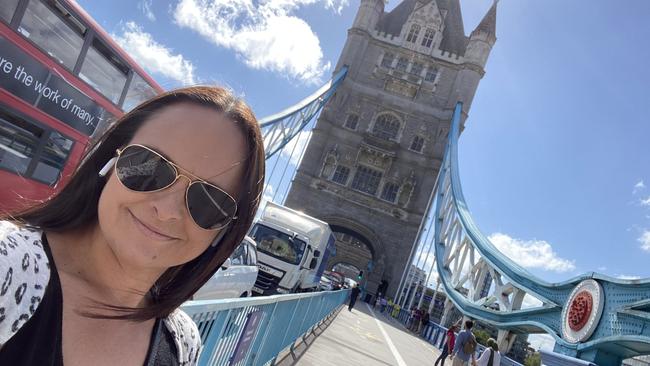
<point x="61" y="39"/>
<point x="103" y="71"/>
<point x="53" y="158"/>
<point x="139" y="91"/>
<point x="7" y="9"/>
<point x="18" y="142"/>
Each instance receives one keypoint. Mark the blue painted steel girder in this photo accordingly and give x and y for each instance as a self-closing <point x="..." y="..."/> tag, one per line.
<point x="624" y="327"/>
<point x="282" y="127"/>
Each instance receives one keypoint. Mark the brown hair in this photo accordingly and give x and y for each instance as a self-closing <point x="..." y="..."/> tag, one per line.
<point x="75" y="206"/>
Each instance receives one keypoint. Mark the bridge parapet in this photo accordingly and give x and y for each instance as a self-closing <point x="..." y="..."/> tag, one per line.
<point x="253" y="331"/>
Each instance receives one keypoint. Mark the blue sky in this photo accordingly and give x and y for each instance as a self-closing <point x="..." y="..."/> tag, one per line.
<point x="557" y="138"/>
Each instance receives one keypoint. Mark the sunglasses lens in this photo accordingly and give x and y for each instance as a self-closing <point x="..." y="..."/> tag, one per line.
<point x="142" y="170"/>
<point x="210" y="207"/>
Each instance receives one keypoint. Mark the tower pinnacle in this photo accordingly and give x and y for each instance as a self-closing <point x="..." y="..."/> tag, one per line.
<point x="489" y="22"/>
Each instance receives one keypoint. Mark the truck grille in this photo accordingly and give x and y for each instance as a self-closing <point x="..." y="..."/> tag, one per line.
<point x="267" y="282"/>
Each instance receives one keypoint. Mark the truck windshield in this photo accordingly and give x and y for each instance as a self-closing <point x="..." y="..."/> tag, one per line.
<point x="278" y="244"/>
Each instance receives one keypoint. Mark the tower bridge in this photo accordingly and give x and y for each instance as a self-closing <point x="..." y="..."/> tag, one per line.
<point x="381" y="167"/>
<point x="374" y="154"/>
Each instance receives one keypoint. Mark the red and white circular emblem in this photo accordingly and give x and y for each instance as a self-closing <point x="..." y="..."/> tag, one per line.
<point x="582" y="311"/>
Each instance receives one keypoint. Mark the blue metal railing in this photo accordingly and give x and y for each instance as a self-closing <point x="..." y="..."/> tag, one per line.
<point x="253" y="331"/>
<point x="436" y="334"/>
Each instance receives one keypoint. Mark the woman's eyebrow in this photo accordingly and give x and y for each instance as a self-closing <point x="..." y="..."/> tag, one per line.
<point x="158" y="150"/>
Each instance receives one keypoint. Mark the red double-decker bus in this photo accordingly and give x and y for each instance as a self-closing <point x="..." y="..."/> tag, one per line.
<point x="62" y="80"/>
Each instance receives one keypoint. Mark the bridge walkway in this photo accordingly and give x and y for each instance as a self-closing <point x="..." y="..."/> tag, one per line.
<point x="362" y="337"/>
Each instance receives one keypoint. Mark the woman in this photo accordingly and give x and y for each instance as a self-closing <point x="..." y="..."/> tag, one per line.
<point x="95" y="275"/>
<point x="449" y="345"/>
<point x="491" y="355"/>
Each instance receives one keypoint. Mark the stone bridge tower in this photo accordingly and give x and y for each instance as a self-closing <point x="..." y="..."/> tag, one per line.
<point x="374" y="155"/>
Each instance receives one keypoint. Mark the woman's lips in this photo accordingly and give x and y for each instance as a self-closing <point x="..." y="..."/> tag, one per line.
<point x="149" y="231"/>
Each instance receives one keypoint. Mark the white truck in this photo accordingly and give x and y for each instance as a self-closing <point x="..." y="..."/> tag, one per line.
<point x="293" y="249"/>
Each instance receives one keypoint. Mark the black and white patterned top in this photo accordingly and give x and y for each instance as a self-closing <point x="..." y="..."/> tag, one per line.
<point x="29" y="283"/>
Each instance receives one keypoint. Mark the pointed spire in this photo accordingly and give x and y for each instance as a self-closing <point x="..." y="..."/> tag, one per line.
<point x="489" y="22"/>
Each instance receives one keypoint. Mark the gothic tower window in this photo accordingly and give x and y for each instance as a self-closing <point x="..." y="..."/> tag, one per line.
<point x="389" y="193"/>
<point x="416" y="68"/>
<point x="386" y="127"/>
<point x="352" y="122"/>
<point x="402" y="63"/>
<point x="387" y="60"/>
<point x="413" y="33"/>
<point x="427" y="40"/>
<point x="366" y="180"/>
<point x="341" y="174"/>
<point x="431" y="74"/>
<point x="417" y="144"/>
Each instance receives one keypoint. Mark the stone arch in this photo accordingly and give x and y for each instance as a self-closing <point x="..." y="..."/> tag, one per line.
<point x="372" y="241"/>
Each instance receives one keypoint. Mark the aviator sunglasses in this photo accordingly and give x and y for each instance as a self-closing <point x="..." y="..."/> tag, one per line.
<point x="142" y="169"/>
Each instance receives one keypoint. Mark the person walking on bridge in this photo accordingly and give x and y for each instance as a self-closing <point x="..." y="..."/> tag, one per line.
<point x="465" y="347"/>
<point x="425" y="322"/>
<point x="449" y="345"/>
<point x="491" y="355"/>
<point x="354" y="293"/>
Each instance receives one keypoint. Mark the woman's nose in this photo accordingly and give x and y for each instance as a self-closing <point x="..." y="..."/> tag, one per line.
<point x="169" y="204"/>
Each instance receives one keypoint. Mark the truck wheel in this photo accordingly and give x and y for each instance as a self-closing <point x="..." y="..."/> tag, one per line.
<point x="245" y="294"/>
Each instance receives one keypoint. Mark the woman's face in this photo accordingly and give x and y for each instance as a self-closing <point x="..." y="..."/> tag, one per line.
<point x="155" y="230"/>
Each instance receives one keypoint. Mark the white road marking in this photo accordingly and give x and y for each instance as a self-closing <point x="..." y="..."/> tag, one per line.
<point x="391" y="346"/>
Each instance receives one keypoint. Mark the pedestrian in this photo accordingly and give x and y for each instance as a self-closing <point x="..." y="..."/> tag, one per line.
<point x="383" y="304"/>
<point x="449" y="345"/>
<point x="491" y="355"/>
<point x="157" y="205"/>
<point x="465" y="346"/>
<point x="354" y="293"/>
<point x="425" y="322"/>
<point x="396" y="310"/>
<point x="415" y="323"/>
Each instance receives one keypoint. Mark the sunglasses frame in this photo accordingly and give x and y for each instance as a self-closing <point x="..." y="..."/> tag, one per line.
<point x="188" y="176"/>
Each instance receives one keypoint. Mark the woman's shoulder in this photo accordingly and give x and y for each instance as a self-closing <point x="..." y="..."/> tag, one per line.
<point x="186" y="336"/>
<point x="24" y="275"/>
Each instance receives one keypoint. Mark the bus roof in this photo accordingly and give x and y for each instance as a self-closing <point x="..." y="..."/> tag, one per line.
<point x="81" y="13"/>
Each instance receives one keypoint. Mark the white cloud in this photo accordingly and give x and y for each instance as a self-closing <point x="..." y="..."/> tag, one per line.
<point x="627" y="277"/>
<point x="153" y="56"/>
<point x="531" y="253"/>
<point x="645" y="202"/>
<point x="541" y="341"/>
<point x="145" y="7"/>
<point x="293" y="150"/>
<point x="602" y="268"/>
<point x="644" y="239"/>
<point x="266" y="35"/>
<point x="336" y="5"/>
<point x="638" y="186"/>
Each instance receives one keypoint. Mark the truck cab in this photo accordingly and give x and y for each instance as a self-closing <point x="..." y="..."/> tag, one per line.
<point x="293" y="249"/>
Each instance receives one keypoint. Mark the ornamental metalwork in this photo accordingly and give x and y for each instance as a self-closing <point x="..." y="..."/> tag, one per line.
<point x="592" y="316"/>
<point x="278" y="129"/>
